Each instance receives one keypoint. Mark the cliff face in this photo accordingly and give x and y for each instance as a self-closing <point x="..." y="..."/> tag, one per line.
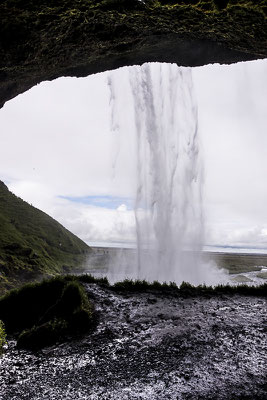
<point x="42" y="39"/>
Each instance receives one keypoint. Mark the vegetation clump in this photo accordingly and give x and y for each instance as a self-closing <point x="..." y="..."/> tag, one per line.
<point x="41" y="314"/>
<point x="188" y="290"/>
<point x="2" y="336"/>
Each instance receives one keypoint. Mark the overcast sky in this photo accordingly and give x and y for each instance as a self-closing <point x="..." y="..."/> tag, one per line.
<point x="59" y="153"/>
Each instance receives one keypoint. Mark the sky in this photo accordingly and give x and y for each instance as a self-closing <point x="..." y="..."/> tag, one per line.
<point x="60" y="152"/>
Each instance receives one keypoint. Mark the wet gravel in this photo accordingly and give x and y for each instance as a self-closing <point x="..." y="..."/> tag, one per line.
<point x="150" y="346"/>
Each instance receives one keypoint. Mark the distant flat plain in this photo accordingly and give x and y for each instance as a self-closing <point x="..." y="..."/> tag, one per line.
<point x="235" y="263"/>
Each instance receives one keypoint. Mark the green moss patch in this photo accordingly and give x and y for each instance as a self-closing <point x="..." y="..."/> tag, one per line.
<point x="44" y="313"/>
<point x="2" y="336"/>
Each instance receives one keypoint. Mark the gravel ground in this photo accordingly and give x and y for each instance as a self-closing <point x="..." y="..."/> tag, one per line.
<point x="150" y="346"/>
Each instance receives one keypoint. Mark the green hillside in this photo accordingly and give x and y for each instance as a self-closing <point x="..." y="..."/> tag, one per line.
<point x="32" y="244"/>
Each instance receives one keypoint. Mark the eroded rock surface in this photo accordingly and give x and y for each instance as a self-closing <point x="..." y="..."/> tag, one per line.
<point x="150" y="346"/>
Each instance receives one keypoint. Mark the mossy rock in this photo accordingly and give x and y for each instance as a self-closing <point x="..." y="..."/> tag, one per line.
<point x="42" y="40"/>
<point x="49" y="312"/>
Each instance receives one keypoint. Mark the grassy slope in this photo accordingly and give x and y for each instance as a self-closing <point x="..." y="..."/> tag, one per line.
<point x="32" y="243"/>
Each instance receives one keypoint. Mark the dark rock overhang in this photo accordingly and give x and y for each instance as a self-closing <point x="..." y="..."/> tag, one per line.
<point x="45" y="39"/>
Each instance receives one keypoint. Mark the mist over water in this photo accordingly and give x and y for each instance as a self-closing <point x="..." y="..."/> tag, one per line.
<point x="169" y="174"/>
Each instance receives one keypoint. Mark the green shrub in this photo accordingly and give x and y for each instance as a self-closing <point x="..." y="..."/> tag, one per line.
<point x="188" y="290"/>
<point x="156" y="285"/>
<point x="22" y="308"/>
<point x="87" y="278"/>
<point x="45" y="313"/>
<point x="132" y="285"/>
<point x="186" y="286"/>
<point x="2" y="336"/>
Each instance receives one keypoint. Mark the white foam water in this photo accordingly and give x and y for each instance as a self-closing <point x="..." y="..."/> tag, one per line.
<point x="168" y="206"/>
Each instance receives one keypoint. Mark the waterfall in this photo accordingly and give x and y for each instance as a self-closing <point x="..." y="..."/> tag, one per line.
<point x="169" y="170"/>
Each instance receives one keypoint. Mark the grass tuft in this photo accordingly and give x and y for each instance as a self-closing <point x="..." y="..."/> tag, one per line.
<point x="186" y="289"/>
<point x="87" y="278"/>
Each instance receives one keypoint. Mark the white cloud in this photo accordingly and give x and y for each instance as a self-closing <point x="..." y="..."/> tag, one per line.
<point x="95" y="224"/>
<point x="122" y="208"/>
<point x="90" y="223"/>
<point x="233" y="123"/>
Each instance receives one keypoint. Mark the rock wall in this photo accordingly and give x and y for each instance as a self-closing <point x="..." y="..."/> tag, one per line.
<point x="42" y="39"/>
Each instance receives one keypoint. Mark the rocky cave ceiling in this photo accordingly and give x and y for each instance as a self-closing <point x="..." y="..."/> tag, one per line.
<point x="45" y="39"/>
